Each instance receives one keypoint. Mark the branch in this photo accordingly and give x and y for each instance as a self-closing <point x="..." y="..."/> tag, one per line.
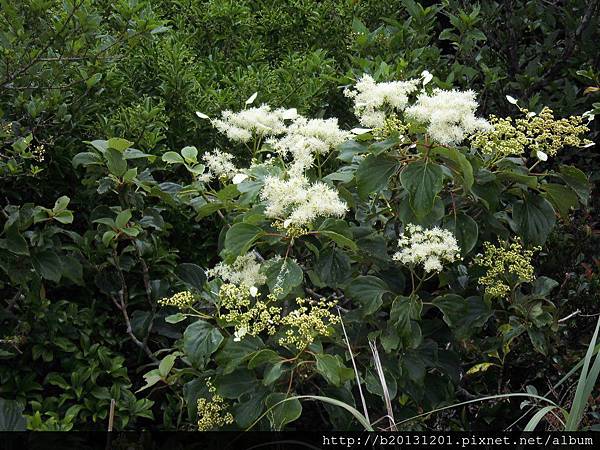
<point x="121" y="304"/>
<point x="39" y="54"/>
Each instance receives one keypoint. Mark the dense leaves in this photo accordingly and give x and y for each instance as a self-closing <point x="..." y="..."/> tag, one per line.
<point x="107" y="228"/>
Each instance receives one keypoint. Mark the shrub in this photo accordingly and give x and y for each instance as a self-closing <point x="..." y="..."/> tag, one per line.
<point x="377" y="229"/>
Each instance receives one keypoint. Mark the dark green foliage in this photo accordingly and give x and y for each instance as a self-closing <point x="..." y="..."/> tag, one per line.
<point x="89" y="245"/>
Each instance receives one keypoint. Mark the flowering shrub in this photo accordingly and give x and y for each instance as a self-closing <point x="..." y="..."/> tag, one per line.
<point x="415" y="236"/>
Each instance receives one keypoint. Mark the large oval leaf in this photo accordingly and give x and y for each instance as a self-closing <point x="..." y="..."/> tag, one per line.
<point x="239" y="238"/>
<point x="368" y="291"/>
<point x="373" y="174"/>
<point x="535" y="218"/>
<point x="200" y="340"/>
<point x="423" y="181"/>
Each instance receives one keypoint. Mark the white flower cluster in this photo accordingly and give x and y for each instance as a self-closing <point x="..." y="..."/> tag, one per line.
<point x="450" y="115"/>
<point x="298" y="202"/>
<point x="428" y="247"/>
<point x="305" y="138"/>
<point x="219" y="163"/>
<point x="248" y="123"/>
<point x="370" y="98"/>
<point x="245" y="270"/>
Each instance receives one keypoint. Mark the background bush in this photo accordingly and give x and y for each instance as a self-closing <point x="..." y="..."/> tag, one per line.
<point x="80" y="70"/>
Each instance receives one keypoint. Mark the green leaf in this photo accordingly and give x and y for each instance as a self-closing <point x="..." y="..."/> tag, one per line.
<point x="108" y="236"/>
<point x="200" y="340"/>
<point x="172" y="158"/>
<point x="64" y="217"/>
<point x="368" y="291"/>
<point x="563" y="198"/>
<point x="381" y="146"/>
<point x="175" y="318"/>
<point x="333" y="370"/>
<point x="534" y="217"/>
<point x="273" y="373"/>
<point x="538" y="339"/>
<point x="453" y="306"/>
<point x="130" y="175"/>
<point x="333" y="267"/>
<point x="93" y="80"/>
<point x="115" y="162"/>
<point x="339" y="239"/>
<point x="166" y="364"/>
<point x="423" y="181"/>
<point x="232" y="354"/>
<point x="240" y="237"/>
<point x="72" y="269"/>
<point x="11" y="416"/>
<point x="119" y="144"/>
<point x="264" y="356"/>
<point x="407" y="215"/>
<point x="402" y="312"/>
<point x="249" y="408"/>
<point x="542" y="286"/>
<point x="458" y="162"/>
<point x="61" y="204"/>
<point x="85" y="159"/>
<point x="47" y="264"/>
<point x="191" y="274"/>
<point x="578" y="181"/>
<point x="373" y="174"/>
<point x="235" y="384"/>
<point x="373" y="384"/>
<point x="465" y="230"/>
<point x="283" y="276"/>
<point x="151" y="378"/>
<point x="123" y="218"/>
<point x="190" y="154"/>
<point x="282" y="412"/>
<point x="15" y="242"/>
<point x="349" y="149"/>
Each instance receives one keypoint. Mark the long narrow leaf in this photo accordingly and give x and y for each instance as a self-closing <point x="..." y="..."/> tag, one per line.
<point x="535" y="420"/>
<point x="586" y="383"/>
<point x="332" y="401"/>
<point x="566" y="377"/>
<point x="491" y="397"/>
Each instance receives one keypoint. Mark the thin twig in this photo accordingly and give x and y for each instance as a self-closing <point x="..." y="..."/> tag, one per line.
<point x="575" y="313"/>
<point x="37" y="57"/>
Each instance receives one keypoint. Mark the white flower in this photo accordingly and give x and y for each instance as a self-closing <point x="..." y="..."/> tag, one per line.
<point x="512" y="100"/>
<point x="248" y="123"/>
<point x="450" y="115"/>
<point x="371" y="97"/>
<point x="430" y="248"/>
<point x="251" y="98"/>
<point x="360" y="131"/>
<point x="541" y="155"/>
<point x="305" y="138"/>
<point x="219" y="163"/>
<point x="239" y="334"/>
<point x="427" y="77"/>
<point x="298" y="202"/>
<point x="239" y="177"/>
<point x="245" y="270"/>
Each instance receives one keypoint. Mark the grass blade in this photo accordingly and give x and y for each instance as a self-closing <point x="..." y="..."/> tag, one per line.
<point x="538" y="416"/>
<point x="586" y="383"/>
<point x="386" y="392"/>
<point x="360" y="392"/>
<point x="332" y="401"/>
